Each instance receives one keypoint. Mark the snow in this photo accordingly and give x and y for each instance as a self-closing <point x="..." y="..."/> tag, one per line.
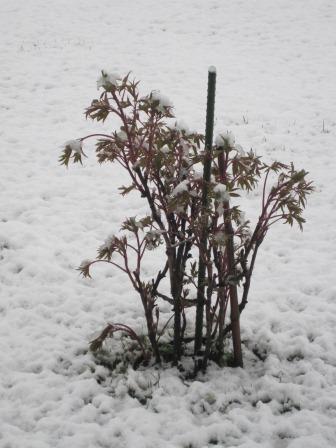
<point x="225" y="138"/>
<point x="239" y="150"/>
<point x="122" y="136"/>
<point x="108" y="242"/>
<point x="180" y="188"/>
<point x="182" y="126"/>
<point x="165" y="149"/>
<point x="242" y="218"/>
<point x="276" y="93"/>
<point x="221" y="196"/>
<point x="163" y="101"/>
<point x="74" y="145"/>
<point x="108" y="79"/>
<point x="221" y="193"/>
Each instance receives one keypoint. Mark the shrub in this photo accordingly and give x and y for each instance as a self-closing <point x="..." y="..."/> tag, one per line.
<point x="164" y="163"/>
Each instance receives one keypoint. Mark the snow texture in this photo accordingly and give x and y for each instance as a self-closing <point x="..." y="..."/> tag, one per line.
<point x="276" y="92"/>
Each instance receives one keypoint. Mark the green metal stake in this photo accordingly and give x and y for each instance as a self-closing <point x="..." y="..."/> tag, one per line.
<point x="206" y="179"/>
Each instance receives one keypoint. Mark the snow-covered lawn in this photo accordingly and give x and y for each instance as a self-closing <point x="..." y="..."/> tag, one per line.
<point x="276" y="92"/>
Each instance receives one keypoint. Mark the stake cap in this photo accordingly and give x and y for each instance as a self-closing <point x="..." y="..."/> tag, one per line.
<point x="212" y="69"/>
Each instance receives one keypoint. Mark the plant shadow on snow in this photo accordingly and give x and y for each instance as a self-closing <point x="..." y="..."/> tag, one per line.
<point x="118" y="352"/>
<point x="123" y="363"/>
<point x="258" y="391"/>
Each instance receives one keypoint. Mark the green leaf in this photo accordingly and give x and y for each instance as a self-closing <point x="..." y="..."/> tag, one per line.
<point x="125" y="190"/>
<point x="84" y="269"/>
<point x="64" y="159"/>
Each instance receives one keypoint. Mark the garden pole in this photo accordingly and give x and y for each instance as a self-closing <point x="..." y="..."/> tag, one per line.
<point x="210" y="112"/>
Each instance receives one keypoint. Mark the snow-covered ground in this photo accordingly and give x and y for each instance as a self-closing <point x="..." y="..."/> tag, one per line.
<point x="276" y="92"/>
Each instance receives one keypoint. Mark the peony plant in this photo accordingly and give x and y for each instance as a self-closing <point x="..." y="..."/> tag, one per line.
<point x="164" y="162"/>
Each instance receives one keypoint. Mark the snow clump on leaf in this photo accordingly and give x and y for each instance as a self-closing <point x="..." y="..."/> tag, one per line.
<point x="221" y="196"/>
<point x="182" y="187"/>
<point x="165" y="149"/>
<point x="182" y="127"/>
<point x="122" y="136"/>
<point x="162" y="103"/>
<point x="72" y="149"/>
<point x="107" y="80"/>
<point x="239" y="150"/>
<point x="242" y="218"/>
<point x="225" y="139"/>
<point x="221" y="193"/>
<point x="108" y="242"/>
<point x="153" y="239"/>
<point x="75" y="146"/>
